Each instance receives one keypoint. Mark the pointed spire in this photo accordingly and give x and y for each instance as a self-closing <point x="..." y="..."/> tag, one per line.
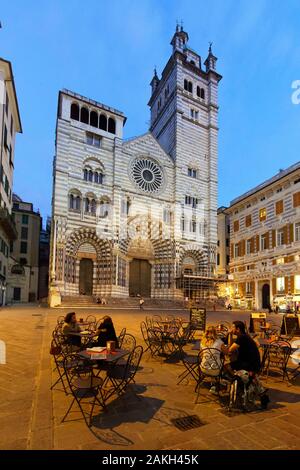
<point x="177" y="26"/>
<point x="155" y="72"/>
<point x="211" y="60"/>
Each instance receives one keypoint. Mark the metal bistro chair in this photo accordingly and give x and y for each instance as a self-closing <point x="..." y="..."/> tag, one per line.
<point x="129" y="342"/>
<point x="121" y="337"/>
<point x="121" y="377"/>
<point x="151" y="339"/>
<point x="210" y="366"/>
<point x="190" y="362"/>
<point x="91" y="319"/>
<point x="84" y="385"/>
<point x="277" y="357"/>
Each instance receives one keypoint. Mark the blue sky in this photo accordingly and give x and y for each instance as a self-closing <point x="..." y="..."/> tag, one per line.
<point x="106" y="50"/>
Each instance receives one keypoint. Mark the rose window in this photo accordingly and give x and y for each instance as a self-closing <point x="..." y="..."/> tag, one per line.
<point x="147" y="175"/>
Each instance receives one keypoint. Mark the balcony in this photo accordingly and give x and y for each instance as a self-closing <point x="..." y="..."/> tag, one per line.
<point x="8" y="224"/>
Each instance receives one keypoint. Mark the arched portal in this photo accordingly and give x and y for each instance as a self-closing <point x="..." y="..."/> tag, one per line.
<point x="265" y="296"/>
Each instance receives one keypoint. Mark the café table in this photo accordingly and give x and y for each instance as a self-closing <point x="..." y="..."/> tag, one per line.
<point x="106" y="356"/>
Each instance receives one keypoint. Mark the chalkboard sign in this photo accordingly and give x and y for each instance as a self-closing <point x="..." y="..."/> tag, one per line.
<point x="256" y="321"/>
<point x="290" y="325"/>
<point x="198" y="318"/>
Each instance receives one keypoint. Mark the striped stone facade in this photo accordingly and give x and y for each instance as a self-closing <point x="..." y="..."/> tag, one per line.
<point x="151" y="198"/>
<point x="265" y="243"/>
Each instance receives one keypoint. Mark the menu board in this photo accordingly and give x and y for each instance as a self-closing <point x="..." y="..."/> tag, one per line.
<point x="256" y="321"/>
<point x="198" y="318"/>
<point x="290" y="325"/>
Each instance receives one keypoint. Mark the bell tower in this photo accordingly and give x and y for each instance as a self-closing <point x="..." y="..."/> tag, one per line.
<point x="184" y="120"/>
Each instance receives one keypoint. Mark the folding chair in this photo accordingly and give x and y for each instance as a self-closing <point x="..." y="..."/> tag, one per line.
<point x="190" y="363"/>
<point x="83" y="385"/>
<point x="277" y="357"/>
<point x="121" y="337"/>
<point x="121" y="377"/>
<point x="210" y="365"/>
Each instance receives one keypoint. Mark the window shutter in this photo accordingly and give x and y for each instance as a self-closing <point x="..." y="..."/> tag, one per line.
<point x="267" y="240"/>
<point x="274" y="286"/>
<point x="243" y="247"/>
<point x="236" y="226"/>
<point x="285" y="234"/>
<point x="231" y="251"/>
<point x="252" y="245"/>
<point x="296" y="199"/>
<point x="243" y="288"/>
<point x="279" y="207"/>
<point x="292" y="284"/>
<point x="273" y="238"/>
<point x="286" y="284"/>
<point x="291" y="233"/>
<point x="257" y="243"/>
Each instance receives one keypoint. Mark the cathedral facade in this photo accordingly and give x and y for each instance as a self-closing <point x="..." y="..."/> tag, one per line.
<point x="133" y="217"/>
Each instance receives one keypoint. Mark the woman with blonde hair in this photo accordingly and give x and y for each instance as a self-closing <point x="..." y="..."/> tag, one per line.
<point x="211" y="358"/>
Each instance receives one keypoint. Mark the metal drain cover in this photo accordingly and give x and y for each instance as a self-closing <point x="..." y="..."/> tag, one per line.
<point x="187" y="422"/>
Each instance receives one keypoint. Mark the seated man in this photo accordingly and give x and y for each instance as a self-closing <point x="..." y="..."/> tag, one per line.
<point x="248" y="357"/>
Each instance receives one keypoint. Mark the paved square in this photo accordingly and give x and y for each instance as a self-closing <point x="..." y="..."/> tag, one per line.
<point x="30" y="413"/>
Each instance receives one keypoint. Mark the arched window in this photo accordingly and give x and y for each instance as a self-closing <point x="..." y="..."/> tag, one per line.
<point x="198" y="91"/>
<point x="190" y="87"/>
<point x="104" y="208"/>
<point x="96" y="177"/>
<point x="87" y="205"/>
<point x="93" y="206"/>
<point x="186" y="86"/>
<point x="103" y="122"/>
<point x="94" y="119"/>
<point x="202" y="94"/>
<point x="78" y="203"/>
<point x="111" y="126"/>
<point x="74" y="202"/>
<point x="100" y="178"/>
<point x="90" y="175"/>
<point x="75" y="111"/>
<point x="85" y="175"/>
<point x="84" y="115"/>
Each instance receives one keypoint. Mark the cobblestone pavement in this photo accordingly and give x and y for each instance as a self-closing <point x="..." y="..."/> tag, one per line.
<point x="30" y="413"/>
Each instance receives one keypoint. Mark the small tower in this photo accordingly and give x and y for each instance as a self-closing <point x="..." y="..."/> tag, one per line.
<point x="211" y="60"/>
<point x="179" y="40"/>
<point x="155" y="81"/>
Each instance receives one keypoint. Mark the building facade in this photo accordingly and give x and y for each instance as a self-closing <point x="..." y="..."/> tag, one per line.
<point x="23" y="271"/>
<point x="44" y="256"/>
<point x="134" y="217"/>
<point x="265" y="243"/>
<point x="10" y="124"/>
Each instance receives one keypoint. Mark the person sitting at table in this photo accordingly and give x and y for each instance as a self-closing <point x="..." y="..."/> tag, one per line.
<point x="248" y="357"/>
<point x="210" y="362"/>
<point x="106" y="332"/>
<point x="70" y="327"/>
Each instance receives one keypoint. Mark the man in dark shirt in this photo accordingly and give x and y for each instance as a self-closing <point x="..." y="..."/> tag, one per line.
<point x="248" y="357"/>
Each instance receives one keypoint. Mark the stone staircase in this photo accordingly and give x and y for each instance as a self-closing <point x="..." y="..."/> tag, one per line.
<point x="83" y="301"/>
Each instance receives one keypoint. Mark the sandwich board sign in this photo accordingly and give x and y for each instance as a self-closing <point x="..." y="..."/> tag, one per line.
<point x="198" y="318"/>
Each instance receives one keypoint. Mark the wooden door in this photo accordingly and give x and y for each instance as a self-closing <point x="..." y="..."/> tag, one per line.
<point x="140" y="278"/>
<point x="86" y="276"/>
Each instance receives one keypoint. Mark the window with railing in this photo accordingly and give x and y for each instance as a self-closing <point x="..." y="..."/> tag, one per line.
<point x="280" y="284"/>
<point x="297" y="231"/>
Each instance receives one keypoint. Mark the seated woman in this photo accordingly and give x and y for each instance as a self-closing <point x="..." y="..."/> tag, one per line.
<point x="106" y="332"/>
<point x="70" y="327"/>
<point x="211" y="362"/>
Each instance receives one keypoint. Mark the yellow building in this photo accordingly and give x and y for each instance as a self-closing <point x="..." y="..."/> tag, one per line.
<point x="265" y="243"/>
